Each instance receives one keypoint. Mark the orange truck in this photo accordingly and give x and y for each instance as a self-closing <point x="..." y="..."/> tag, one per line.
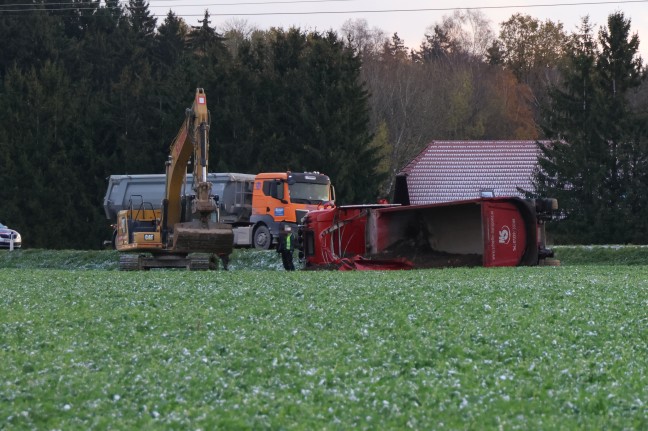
<point x="284" y="198"/>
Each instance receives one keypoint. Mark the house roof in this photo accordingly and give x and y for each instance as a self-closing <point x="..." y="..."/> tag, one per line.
<point x="457" y="170"/>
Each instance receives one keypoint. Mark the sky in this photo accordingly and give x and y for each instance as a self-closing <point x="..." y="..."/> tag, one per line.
<point x="408" y="18"/>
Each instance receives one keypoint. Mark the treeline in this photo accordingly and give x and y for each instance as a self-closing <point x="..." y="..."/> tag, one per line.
<point x="91" y="89"/>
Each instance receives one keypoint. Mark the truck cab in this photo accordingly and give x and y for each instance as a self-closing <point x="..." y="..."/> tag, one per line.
<point x="281" y="198"/>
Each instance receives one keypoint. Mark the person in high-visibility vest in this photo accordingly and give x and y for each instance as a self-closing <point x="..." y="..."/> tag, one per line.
<point x="286" y="247"/>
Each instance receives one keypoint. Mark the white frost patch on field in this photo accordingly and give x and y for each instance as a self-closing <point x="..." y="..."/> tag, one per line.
<point x="505" y="377"/>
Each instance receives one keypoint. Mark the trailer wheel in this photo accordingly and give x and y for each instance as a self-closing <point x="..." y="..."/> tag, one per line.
<point x="262" y="238"/>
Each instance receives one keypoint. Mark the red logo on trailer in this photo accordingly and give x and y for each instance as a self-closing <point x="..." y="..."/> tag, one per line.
<point x="504" y="234"/>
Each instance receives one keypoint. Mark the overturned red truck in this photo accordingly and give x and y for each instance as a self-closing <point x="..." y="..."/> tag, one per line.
<point x="478" y="232"/>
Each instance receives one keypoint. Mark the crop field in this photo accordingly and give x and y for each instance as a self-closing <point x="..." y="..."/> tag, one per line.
<point x="83" y="346"/>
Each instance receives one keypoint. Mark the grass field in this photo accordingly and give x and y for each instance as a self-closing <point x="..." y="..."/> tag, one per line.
<point x="86" y="347"/>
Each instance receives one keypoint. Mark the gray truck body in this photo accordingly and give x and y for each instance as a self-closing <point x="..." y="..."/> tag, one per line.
<point x="234" y="191"/>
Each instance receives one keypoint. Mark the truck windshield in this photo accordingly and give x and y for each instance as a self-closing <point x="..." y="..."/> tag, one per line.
<point x="309" y="193"/>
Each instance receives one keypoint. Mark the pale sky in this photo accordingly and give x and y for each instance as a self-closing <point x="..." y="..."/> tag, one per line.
<point x="409" y="18"/>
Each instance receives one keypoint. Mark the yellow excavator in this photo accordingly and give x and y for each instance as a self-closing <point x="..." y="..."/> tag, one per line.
<point x="185" y="232"/>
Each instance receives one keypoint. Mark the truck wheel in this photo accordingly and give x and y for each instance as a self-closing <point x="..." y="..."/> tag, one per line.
<point x="262" y="238"/>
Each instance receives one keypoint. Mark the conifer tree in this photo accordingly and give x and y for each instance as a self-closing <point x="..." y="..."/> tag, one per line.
<point x="587" y="166"/>
<point x="141" y="20"/>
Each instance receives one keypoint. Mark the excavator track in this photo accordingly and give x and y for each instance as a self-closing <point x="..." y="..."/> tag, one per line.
<point x="199" y="262"/>
<point x="129" y="262"/>
<point x="136" y="262"/>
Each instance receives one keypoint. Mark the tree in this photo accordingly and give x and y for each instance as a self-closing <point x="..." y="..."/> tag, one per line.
<point x="235" y="32"/>
<point x="594" y="164"/>
<point x="363" y="40"/>
<point x="619" y="70"/>
<point x="205" y="42"/>
<point x="527" y="44"/>
<point x="495" y="53"/>
<point x="438" y="45"/>
<point x="394" y="49"/>
<point x="465" y="33"/>
<point x="141" y="20"/>
<point x="532" y="50"/>
<point x="339" y="118"/>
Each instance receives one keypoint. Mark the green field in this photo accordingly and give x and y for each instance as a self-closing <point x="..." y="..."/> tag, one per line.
<point x="85" y="347"/>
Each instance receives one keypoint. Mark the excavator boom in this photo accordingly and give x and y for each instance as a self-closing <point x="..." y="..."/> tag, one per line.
<point x="192" y="139"/>
<point x="202" y="233"/>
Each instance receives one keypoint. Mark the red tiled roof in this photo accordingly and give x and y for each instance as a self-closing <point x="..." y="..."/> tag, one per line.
<point x="456" y="170"/>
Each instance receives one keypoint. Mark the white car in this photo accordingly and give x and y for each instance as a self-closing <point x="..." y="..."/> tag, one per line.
<point x="6" y="236"/>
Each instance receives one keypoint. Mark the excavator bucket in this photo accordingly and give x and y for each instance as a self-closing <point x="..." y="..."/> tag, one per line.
<point x="196" y="237"/>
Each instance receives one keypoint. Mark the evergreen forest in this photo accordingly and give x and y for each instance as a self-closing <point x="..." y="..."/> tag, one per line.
<point x="89" y="89"/>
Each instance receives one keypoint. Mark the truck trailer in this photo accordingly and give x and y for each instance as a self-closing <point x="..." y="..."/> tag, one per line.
<point x="479" y="232"/>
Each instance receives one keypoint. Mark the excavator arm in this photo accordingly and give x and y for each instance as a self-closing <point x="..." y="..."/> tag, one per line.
<point x="202" y="233"/>
<point x="192" y="139"/>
